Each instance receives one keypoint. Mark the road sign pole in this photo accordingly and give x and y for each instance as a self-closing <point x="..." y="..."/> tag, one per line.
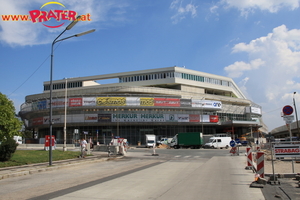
<point x="290" y="131"/>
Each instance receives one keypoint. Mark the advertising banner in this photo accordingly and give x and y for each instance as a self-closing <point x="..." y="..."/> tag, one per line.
<point x="37" y="121"/>
<point x="132" y="101"/>
<point x="214" y="105"/>
<point x="56" y="103"/>
<point x="74" y="102"/>
<point x="183" y="118"/>
<point x="185" y="103"/>
<point x="194" y="118"/>
<point x="213" y="118"/>
<point x="91" y="118"/>
<point x="171" y="118"/>
<point x="55" y="119"/>
<point x="204" y="118"/>
<point x="89" y="101"/>
<point x="147" y="101"/>
<point x="111" y="101"/>
<point x="253" y="110"/>
<point x="104" y="118"/>
<point x="39" y="105"/>
<point x="166" y="102"/>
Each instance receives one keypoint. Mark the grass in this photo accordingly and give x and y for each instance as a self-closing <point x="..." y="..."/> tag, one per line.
<point x="25" y="157"/>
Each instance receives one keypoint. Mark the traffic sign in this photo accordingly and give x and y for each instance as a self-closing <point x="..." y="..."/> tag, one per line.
<point x="287" y="110"/>
<point x="232" y="143"/>
<point x="288" y="119"/>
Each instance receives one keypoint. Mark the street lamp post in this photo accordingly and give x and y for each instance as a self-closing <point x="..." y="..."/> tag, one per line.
<point x="51" y="72"/>
<point x="202" y="118"/>
<point x="296" y="115"/>
<point x="65" y="121"/>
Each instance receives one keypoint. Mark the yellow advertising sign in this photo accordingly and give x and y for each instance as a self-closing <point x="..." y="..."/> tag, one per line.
<point x="111" y="101"/>
<point x="147" y="101"/>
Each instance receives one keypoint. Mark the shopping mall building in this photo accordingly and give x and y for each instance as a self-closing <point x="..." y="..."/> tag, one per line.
<point x="163" y="102"/>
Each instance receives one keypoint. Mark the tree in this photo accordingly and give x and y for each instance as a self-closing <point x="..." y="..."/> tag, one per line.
<point x="10" y="125"/>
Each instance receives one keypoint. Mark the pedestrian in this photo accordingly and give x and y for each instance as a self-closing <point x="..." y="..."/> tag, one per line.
<point x="83" y="144"/>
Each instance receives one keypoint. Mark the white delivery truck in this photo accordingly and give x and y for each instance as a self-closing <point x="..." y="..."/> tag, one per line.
<point x="218" y="142"/>
<point x="150" y="140"/>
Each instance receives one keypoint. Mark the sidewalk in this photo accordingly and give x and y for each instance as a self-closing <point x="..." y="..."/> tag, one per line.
<point x="15" y="171"/>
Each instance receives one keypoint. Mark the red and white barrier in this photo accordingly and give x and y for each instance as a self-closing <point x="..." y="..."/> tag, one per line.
<point x="257" y="148"/>
<point x="249" y="158"/>
<point x="233" y="151"/>
<point x="260" y="164"/>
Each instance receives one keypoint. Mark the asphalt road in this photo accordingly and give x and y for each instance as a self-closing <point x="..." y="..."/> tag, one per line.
<point x="172" y="174"/>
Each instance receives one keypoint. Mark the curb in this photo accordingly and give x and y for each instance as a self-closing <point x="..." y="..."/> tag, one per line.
<point x="286" y="175"/>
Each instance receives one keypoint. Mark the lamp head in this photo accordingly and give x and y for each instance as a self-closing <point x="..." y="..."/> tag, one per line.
<point x="73" y="23"/>
<point x="84" y="33"/>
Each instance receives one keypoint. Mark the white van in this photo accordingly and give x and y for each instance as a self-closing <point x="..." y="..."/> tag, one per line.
<point x="218" y="142"/>
<point x="150" y="140"/>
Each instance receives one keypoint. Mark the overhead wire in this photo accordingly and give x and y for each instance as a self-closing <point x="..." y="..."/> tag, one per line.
<point x="33" y="72"/>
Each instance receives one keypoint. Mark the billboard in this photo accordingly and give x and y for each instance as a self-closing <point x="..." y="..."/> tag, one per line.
<point x="73" y="102"/>
<point x="89" y="101"/>
<point x="111" y="101"/>
<point x="147" y="101"/>
<point x="132" y="101"/>
<point x="167" y="102"/>
<point x="194" y="118"/>
<point x="104" y="118"/>
<point x="185" y="103"/>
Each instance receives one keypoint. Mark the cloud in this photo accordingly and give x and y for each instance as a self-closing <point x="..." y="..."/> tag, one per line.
<point x="272" y="71"/>
<point x="21" y="33"/>
<point x="249" y="6"/>
<point x="242" y="85"/>
<point x="236" y="70"/>
<point x="181" y="11"/>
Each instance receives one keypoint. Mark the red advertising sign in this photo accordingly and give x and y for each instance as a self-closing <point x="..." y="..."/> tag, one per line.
<point x="166" y="102"/>
<point x="214" y="118"/>
<point x="75" y="102"/>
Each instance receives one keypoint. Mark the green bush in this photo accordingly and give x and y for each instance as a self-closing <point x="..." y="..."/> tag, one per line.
<point x="7" y="149"/>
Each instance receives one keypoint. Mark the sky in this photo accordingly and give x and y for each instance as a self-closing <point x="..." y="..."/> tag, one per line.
<point x="254" y="42"/>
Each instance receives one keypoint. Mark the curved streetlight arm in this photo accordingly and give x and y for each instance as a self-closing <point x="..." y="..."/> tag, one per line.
<point x="76" y="35"/>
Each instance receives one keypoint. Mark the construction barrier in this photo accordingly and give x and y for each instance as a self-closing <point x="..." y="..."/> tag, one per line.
<point x="233" y="151"/>
<point x="257" y="148"/>
<point x="260" y="164"/>
<point x="249" y="158"/>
